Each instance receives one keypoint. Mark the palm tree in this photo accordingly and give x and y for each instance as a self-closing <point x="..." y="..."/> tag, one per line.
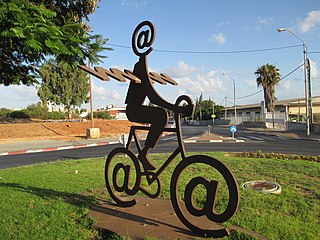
<point x="268" y="76"/>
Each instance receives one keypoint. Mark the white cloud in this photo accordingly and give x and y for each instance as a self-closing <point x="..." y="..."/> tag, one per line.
<point x="221" y="24"/>
<point x="181" y="70"/>
<point x="286" y="85"/>
<point x="219" y="38"/>
<point x="311" y="21"/>
<point x="207" y="82"/>
<point x="251" y="83"/>
<point x="315" y="73"/>
<point x="263" y="21"/>
<point x="210" y="81"/>
<point x="133" y="3"/>
<point x="25" y="92"/>
<point x="101" y="94"/>
<point x="258" y="24"/>
<point x="188" y="86"/>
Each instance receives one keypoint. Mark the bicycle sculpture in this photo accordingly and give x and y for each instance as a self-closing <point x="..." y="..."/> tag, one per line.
<point x="141" y="86"/>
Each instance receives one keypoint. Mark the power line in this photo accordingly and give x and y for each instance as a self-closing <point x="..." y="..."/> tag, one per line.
<point x="291" y="72"/>
<point x="222" y="100"/>
<point x="226" y="52"/>
<point x="252" y="94"/>
<point x="212" y="52"/>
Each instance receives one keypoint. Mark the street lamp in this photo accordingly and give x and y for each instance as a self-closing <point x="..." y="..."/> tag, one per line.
<point x="306" y="79"/>
<point x="234" y="97"/>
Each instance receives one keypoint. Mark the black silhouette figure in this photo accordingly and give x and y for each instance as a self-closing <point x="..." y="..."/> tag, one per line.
<point x="137" y="93"/>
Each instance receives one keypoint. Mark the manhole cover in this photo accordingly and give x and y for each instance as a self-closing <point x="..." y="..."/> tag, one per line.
<point x="263" y="186"/>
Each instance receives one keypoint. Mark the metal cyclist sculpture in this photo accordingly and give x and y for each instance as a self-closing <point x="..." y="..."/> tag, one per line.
<point x="140" y="88"/>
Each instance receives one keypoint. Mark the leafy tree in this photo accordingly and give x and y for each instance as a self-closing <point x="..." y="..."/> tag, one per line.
<point x="268" y="76"/>
<point x="31" y="30"/>
<point x="198" y="108"/>
<point x="206" y="107"/>
<point x="63" y="83"/>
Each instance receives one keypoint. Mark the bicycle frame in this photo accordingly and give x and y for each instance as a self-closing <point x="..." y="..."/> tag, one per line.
<point x="180" y="149"/>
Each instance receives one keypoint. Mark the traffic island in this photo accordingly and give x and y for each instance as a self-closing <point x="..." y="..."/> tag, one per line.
<point x="211" y="138"/>
<point x="93" y="133"/>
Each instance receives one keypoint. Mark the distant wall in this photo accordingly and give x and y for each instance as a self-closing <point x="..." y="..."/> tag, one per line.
<point x="298" y="126"/>
<point x="210" y="122"/>
<point x="254" y="124"/>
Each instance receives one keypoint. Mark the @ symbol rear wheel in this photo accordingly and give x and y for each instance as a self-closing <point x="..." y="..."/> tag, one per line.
<point x="123" y="177"/>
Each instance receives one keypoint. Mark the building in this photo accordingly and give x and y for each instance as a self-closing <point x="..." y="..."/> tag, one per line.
<point x="118" y="113"/>
<point x="287" y="110"/>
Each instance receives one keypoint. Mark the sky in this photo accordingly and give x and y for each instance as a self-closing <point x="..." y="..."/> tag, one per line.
<point x="197" y="41"/>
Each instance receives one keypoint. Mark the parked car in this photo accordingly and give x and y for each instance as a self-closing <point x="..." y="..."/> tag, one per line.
<point x="171" y="123"/>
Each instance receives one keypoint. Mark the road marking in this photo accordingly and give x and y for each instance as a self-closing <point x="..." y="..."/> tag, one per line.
<point x="34" y="151"/>
<point x="190" y="141"/>
<point x="256" y="138"/>
<point x="169" y="138"/>
<point x="65" y="148"/>
<point x="250" y="139"/>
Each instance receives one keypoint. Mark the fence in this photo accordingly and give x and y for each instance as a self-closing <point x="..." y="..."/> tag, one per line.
<point x="276" y="120"/>
<point x="268" y="120"/>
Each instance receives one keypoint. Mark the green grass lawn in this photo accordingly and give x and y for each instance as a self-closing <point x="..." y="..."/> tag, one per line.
<point x="51" y="201"/>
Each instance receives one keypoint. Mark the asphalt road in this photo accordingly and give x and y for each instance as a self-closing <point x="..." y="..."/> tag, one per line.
<point x="252" y="142"/>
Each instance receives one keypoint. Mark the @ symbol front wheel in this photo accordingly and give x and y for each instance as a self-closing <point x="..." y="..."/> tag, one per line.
<point x="189" y="210"/>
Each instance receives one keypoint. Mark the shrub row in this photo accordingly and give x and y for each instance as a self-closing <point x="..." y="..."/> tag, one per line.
<point x="260" y="154"/>
<point x="101" y="114"/>
<point x="32" y="111"/>
<point x="41" y="112"/>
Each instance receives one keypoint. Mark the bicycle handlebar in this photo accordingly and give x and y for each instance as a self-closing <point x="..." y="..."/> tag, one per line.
<point x="188" y="110"/>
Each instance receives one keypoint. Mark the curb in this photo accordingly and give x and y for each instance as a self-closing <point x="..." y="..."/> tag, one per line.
<point x="212" y="141"/>
<point x="65" y="147"/>
<point x="57" y="148"/>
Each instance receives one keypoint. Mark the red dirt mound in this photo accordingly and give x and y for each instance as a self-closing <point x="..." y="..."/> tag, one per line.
<point x="13" y="132"/>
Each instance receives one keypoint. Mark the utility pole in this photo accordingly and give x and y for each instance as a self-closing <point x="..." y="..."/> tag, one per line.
<point x="212" y="112"/>
<point x="225" y="108"/>
<point x="91" y="104"/>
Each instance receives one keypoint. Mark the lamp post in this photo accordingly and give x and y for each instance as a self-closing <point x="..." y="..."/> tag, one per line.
<point x="306" y="80"/>
<point x="234" y="97"/>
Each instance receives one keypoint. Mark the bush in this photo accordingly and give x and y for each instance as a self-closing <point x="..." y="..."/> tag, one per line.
<point x="101" y="114"/>
<point x="316" y="118"/>
<point x="4" y="113"/>
<point x="37" y="111"/>
<point x="55" y="115"/>
<point x="19" y="114"/>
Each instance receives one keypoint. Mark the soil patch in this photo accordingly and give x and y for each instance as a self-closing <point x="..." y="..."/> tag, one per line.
<point x="15" y="132"/>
